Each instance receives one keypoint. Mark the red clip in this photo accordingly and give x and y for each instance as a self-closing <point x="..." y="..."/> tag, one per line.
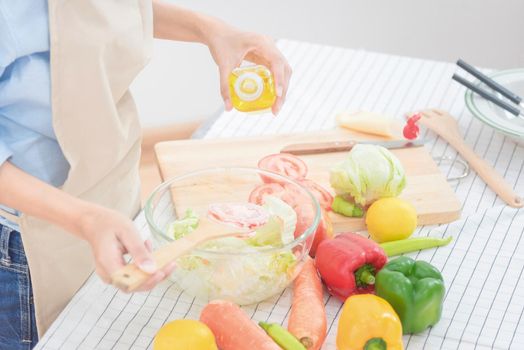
<point x="411" y="128"/>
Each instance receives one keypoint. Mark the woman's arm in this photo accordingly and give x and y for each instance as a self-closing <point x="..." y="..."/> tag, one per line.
<point x="229" y="46"/>
<point x="109" y="233"/>
<point x="175" y="23"/>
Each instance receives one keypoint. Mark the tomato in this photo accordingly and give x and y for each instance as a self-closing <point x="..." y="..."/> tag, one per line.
<point x="322" y="195"/>
<point x="324" y="231"/>
<point x="269" y="189"/>
<point x="305" y="215"/>
<point x="246" y="215"/>
<point x="284" y="164"/>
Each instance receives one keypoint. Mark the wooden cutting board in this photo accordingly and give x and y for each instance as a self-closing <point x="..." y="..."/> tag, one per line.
<point x="427" y="188"/>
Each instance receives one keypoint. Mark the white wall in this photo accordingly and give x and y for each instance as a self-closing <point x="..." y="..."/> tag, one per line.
<point x="181" y="83"/>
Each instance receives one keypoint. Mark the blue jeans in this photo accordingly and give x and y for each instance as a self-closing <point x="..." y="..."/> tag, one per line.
<point x="17" y="313"/>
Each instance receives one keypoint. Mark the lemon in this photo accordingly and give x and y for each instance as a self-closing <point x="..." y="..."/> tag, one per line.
<point x="184" y="335"/>
<point x="391" y="219"/>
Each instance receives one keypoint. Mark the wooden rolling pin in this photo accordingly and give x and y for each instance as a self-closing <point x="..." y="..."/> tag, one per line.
<point x="131" y="277"/>
<point x="444" y="125"/>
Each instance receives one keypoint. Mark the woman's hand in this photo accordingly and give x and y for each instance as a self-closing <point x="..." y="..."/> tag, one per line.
<point x="111" y="235"/>
<point x="230" y="46"/>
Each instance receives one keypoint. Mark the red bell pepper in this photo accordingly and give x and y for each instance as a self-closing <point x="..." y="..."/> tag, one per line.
<point x="348" y="264"/>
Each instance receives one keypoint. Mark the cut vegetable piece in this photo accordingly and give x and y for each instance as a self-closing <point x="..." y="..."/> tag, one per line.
<point x="305" y="216"/>
<point x="233" y="329"/>
<point x="346" y="208"/>
<point x="307" y="319"/>
<point x="321" y="194"/>
<point x="295" y="196"/>
<point x="179" y="228"/>
<point x="284" y="164"/>
<point x="369" y="123"/>
<point x="324" y="232"/>
<point x="268" y="235"/>
<point x="270" y="189"/>
<point x="277" y="207"/>
<point x="243" y="215"/>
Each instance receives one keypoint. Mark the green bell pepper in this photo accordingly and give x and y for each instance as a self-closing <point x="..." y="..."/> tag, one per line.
<point x="416" y="291"/>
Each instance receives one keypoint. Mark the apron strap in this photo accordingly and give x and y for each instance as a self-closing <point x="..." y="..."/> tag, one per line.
<point x="9" y="216"/>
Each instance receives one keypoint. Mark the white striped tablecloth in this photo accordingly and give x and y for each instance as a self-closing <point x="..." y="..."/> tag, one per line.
<point x="482" y="267"/>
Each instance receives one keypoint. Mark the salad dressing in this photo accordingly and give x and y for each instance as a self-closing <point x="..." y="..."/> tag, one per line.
<point x="252" y="88"/>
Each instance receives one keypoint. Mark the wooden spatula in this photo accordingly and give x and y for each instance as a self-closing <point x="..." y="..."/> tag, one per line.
<point x="130" y="276"/>
<point x="444" y="125"/>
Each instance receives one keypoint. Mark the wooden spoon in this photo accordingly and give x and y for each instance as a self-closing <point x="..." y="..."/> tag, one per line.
<point x="130" y="276"/>
<point x="444" y="125"/>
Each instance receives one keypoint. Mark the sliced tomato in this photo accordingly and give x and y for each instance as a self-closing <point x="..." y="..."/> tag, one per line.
<point x="324" y="231"/>
<point x="244" y="215"/>
<point x="305" y="216"/>
<point x="284" y="164"/>
<point x="269" y="189"/>
<point x="323" y="196"/>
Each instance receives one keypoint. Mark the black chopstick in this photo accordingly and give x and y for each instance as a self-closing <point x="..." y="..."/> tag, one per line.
<point x="488" y="95"/>
<point x="489" y="82"/>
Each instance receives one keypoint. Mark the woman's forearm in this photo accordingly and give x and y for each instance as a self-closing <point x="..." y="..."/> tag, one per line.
<point x="175" y="23"/>
<point x="29" y="195"/>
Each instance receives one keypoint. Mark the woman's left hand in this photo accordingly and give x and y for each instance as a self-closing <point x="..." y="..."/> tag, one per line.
<point x="230" y="46"/>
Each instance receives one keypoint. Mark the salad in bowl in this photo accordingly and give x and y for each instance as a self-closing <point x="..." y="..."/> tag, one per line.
<point x="245" y="269"/>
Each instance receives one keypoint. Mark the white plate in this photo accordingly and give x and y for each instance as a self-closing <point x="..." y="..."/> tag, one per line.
<point x="495" y="116"/>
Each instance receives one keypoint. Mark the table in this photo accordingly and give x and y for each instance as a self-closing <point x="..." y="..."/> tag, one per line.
<point x="482" y="267"/>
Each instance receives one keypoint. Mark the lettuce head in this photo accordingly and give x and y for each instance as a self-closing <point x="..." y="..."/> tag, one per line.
<point x="368" y="173"/>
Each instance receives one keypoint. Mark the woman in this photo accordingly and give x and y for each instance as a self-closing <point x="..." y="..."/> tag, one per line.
<point x="70" y="142"/>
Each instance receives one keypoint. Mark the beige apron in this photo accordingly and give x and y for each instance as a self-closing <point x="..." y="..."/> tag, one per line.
<point x="97" y="49"/>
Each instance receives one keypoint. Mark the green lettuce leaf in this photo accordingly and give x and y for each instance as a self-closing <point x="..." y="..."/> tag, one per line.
<point x="186" y="225"/>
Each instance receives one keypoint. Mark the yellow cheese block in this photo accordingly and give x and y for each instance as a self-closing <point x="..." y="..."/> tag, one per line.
<point x="370" y="123"/>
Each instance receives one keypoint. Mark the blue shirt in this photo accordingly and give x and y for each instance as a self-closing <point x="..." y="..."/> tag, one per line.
<point x="27" y="138"/>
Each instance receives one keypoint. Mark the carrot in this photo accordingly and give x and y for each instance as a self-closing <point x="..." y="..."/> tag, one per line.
<point x="307" y="320"/>
<point x="233" y="329"/>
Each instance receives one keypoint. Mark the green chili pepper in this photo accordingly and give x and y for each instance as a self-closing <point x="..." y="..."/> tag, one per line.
<point x="343" y="207"/>
<point x="415" y="289"/>
<point x="281" y="336"/>
<point x="413" y="244"/>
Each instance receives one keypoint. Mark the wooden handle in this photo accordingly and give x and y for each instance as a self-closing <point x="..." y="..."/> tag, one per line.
<point x="318" y="147"/>
<point x="493" y="179"/>
<point x="131" y="277"/>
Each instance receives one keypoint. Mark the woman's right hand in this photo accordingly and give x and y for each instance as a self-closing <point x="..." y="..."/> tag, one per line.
<point x="111" y="235"/>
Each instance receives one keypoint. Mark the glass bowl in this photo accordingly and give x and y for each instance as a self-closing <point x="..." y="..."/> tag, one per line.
<point x="229" y="268"/>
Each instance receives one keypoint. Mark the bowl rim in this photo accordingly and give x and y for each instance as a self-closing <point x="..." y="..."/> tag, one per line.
<point x="148" y="210"/>
<point x="473" y="108"/>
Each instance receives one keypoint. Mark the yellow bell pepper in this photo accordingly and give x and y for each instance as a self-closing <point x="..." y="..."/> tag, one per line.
<point x="368" y="322"/>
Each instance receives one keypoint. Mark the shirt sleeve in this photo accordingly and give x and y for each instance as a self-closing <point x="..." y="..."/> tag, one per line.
<point x="5" y="152"/>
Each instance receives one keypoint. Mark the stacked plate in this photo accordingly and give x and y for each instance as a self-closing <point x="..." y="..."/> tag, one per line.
<point x="495" y="116"/>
